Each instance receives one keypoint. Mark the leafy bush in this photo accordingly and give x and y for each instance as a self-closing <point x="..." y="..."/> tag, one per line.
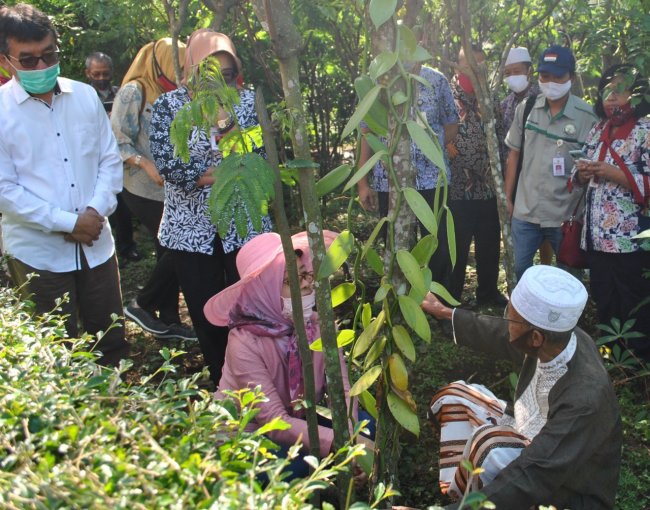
<point x="75" y="435"/>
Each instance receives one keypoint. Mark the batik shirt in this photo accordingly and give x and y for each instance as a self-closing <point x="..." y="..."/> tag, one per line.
<point x="186" y="224"/>
<point x="471" y="177"/>
<point x="611" y="213"/>
<point x="437" y="103"/>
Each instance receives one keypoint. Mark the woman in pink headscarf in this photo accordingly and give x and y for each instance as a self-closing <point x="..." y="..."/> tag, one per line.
<point x="203" y="260"/>
<point x="262" y="345"/>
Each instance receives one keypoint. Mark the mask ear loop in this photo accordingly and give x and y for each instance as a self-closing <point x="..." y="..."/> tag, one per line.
<point x="166" y="83"/>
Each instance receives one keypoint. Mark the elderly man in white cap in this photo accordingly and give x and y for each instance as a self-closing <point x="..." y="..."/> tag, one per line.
<point x="560" y="443"/>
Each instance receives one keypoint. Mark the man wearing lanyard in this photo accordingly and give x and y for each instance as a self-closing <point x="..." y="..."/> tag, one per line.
<point x="558" y="123"/>
<point x="60" y="171"/>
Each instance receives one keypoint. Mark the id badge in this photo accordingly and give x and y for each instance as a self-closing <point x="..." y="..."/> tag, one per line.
<point x="213" y="139"/>
<point x="558" y="166"/>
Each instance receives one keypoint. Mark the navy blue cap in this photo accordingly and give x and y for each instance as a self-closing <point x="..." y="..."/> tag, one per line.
<point x="557" y="60"/>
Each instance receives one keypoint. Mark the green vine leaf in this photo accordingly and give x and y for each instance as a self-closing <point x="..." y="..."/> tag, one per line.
<point x="377" y="116"/>
<point x="332" y="180"/>
<point x="365" y="381"/>
<point x="367" y="166"/>
<point x="403" y="413"/>
<point x="411" y="269"/>
<point x="366" y="338"/>
<point x="341" y="293"/>
<point x="242" y="189"/>
<point x="381" y="64"/>
<point x="414" y="317"/>
<point x="403" y="341"/>
<point x="336" y="254"/>
<point x="422" y="209"/>
<point x="429" y="146"/>
<point x="381" y="11"/>
<point x="364" y="107"/>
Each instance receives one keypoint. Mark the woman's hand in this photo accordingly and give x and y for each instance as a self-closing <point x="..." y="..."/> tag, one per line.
<point x="602" y="170"/>
<point x="152" y="172"/>
<point x="584" y="171"/>
<point x="206" y="179"/>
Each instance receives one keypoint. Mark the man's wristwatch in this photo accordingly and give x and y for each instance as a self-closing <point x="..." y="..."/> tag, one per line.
<point x="137" y="160"/>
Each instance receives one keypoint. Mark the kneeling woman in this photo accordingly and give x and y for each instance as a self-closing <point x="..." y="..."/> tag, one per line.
<point x="262" y="344"/>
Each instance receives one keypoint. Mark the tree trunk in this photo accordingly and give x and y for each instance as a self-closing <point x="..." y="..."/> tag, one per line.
<point x="401" y="235"/>
<point x="176" y="22"/>
<point x="479" y="78"/>
<point x="286" y="43"/>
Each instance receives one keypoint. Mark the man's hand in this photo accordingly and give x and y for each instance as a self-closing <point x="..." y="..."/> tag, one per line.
<point x="452" y="151"/>
<point x="87" y="228"/>
<point x="367" y="196"/>
<point x="511" y="207"/>
<point x="432" y="305"/>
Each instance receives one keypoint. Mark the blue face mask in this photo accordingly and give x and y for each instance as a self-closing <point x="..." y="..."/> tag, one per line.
<point x="39" y="81"/>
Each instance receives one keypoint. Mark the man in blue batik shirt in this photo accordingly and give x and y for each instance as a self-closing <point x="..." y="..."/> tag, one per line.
<point x="437" y="103"/>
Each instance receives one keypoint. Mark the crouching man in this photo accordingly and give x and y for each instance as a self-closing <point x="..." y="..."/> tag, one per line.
<point x="560" y="443"/>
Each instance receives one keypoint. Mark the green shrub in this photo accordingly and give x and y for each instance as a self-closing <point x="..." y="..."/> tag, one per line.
<point x="75" y="435"/>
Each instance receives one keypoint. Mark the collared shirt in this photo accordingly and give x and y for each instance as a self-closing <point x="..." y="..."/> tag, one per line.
<point x="131" y="120"/>
<point x="471" y="175"/>
<point x="611" y="218"/>
<point x="54" y="162"/>
<point x="186" y="224"/>
<point x="510" y="103"/>
<point x="437" y="103"/>
<point x="543" y="198"/>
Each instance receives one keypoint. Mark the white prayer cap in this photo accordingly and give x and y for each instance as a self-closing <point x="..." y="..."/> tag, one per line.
<point x="518" y="54"/>
<point x="549" y="298"/>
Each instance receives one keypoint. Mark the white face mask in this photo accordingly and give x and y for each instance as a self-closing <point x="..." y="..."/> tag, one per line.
<point x="308" y="303"/>
<point x="517" y="83"/>
<point x="555" y="91"/>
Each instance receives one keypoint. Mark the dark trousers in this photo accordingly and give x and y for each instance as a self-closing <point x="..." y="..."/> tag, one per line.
<point x="201" y="277"/>
<point x="122" y="226"/>
<point x="160" y="293"/>
<point x="93" y="295"/>
<point x="617" y="287"/>
<point x="439" y="263"/>
<point x="478" y="220"/>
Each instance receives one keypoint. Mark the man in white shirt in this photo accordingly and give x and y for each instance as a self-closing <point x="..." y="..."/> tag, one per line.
<point x="60" y="171"/>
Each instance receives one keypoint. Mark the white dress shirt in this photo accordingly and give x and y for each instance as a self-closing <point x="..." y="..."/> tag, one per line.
<point x="54" y="162"/>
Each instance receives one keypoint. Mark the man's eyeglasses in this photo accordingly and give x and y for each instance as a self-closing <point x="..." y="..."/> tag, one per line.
<point x="50" y="58"/>
<point x="304" y="278"/>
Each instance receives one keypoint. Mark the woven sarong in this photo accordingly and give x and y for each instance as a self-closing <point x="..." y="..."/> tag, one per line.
<point x="471" y="423"/>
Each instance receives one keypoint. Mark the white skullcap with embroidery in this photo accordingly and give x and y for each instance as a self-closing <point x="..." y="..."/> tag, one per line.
<point x="549" y="298"/>
<point x="518" y="54"/>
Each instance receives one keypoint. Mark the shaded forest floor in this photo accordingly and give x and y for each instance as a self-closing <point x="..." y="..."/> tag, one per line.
<point x="437" y="364"/>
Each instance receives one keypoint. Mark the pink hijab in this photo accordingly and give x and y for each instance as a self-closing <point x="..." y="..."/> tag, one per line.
<point x="203" y="43"/>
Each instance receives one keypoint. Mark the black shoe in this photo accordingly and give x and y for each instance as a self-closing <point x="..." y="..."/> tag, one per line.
<point x="131" y="255"/>
<point x="497" y="299"/>
<point x="144" y="319"/>
<point x="178" y="331"/>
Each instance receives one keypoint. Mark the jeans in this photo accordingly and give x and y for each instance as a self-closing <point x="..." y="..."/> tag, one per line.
<point x="527" y="238"/>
